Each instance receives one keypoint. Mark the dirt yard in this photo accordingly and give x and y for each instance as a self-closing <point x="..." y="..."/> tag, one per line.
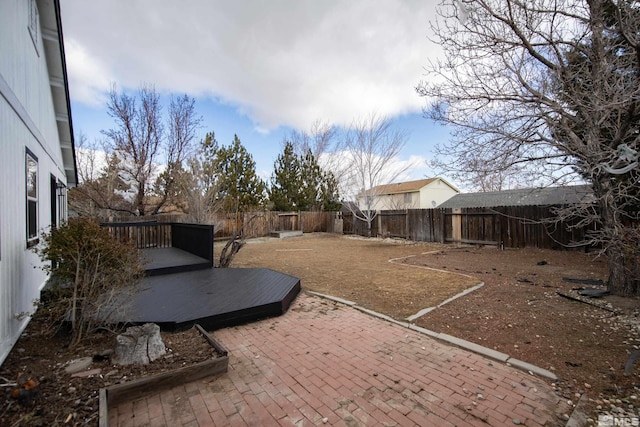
<point x="518" y="311"/>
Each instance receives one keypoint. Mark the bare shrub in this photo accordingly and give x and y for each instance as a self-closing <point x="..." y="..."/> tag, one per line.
<point x="91" y="276"/>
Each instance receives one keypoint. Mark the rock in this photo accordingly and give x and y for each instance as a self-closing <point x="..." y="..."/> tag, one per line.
<point x="88" y="373"/>
<point x="516" y="421"/>
<point x="78" y="365"/>
<point x="103" y="355"/>
<point x="139" y="345"/>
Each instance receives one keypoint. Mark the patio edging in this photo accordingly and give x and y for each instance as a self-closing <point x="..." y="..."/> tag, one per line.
<point x="458" y="342"/>
<point x="112" y="395"/>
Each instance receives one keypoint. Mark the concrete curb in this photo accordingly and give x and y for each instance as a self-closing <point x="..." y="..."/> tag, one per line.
<point x="458" y="342"/>
<point x="448" y="300"/>
<point x="531" y="368"/>
<point x="578" y="417"/>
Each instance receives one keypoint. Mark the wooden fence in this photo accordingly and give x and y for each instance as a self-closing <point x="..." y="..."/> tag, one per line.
<point x="256" y="224"/>
<point x="513" y="227"/>
<point x="510" y="227"/>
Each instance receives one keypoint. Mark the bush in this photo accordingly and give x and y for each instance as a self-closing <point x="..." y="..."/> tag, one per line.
<point x="91" y="276"/>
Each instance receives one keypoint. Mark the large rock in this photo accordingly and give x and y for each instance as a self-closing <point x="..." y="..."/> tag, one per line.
<point x="139" y="345"/>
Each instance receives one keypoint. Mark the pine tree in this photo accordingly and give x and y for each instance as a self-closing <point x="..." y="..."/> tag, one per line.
<point x="239" y="186"/>
<point x="285" y="181"/>
<point x="299" y="183"/>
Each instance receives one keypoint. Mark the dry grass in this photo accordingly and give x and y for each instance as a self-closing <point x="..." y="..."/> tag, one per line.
<point x="358" y="270"/>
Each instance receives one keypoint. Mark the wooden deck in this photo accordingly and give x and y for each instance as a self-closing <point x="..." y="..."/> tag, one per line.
<point x="212" y="297"/>
<point x="171" y="260"/>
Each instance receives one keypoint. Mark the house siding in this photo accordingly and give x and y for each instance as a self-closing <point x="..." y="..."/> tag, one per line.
<point x="438" y="192"/>
<point x="435" y="190"/>
<point x="27" y="122"/>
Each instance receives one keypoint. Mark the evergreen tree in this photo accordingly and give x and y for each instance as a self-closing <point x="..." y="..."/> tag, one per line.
<point x="299" y="183"/>
<point x="239" y="187"/>
<point x="330" y="195"/>
<point x="208" y="162"/>
<point x="285" y="181"/>
<point x="319" y="189"/>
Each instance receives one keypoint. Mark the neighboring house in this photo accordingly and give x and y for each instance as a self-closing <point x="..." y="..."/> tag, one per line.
<point x="36" y="152"/>
<point x="548" y="196"/>
<point x="419" y="194"/>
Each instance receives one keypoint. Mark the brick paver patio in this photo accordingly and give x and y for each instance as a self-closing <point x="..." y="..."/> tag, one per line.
<point x="323" y="363"/>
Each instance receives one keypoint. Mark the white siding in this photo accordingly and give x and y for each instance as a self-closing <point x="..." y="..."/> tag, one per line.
<point x="27" y="121"/>
<point x="438" y="192"/>
<point x="397" y="201"/>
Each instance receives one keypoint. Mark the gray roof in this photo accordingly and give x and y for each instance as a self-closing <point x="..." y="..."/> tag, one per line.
<point x="521" y="197"/>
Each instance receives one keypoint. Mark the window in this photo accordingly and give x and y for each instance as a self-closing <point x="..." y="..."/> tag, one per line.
<point x="34" y="24"/>
<point x="408" y="198"/>
<point x="62" y="202"/>
<point x="31" y="169"/>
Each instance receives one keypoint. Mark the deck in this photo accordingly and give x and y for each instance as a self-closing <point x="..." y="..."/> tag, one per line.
<point x="180" y="287"/>
<point x="213" y="298"/>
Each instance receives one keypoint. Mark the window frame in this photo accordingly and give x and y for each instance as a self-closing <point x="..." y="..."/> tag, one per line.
<point x="34" y="24"/>
<point x="31" y="197"/>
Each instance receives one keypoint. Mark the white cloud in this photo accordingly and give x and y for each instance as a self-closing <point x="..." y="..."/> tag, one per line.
<point x="279" y="62"/>
<point x="90" y="79"/>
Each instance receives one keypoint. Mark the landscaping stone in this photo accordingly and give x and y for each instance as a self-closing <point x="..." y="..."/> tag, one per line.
<point x="139" y="345"/>
<point x="78" y="365"/>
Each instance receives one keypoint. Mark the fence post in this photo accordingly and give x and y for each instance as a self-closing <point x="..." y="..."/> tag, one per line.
<point x="406" y="223"/>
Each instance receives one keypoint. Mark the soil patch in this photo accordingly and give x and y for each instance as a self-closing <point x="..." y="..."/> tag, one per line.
<point x="375" y="273"/>
<point x="59" y="398"/>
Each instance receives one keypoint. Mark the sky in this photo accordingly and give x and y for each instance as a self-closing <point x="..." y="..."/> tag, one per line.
<point x="258" y="69"/>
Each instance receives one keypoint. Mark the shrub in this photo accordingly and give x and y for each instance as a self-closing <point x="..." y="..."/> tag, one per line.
<point x="91" y="276"/>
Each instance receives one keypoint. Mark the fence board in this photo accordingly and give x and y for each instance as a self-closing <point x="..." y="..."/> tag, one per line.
<point x="511" y="226"/>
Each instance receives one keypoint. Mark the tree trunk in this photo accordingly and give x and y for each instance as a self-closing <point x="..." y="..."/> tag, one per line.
<point x="622" y="246"/>
<point x="624" y="271"/>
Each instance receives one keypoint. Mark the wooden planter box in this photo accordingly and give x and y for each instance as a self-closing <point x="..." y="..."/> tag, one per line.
<point x="136" y="389"/>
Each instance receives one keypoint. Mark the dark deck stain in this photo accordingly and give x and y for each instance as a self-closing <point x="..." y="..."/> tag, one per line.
<point x="212" y="297"/>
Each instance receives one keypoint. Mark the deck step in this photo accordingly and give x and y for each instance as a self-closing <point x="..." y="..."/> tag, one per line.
<point x="285" y="234"/>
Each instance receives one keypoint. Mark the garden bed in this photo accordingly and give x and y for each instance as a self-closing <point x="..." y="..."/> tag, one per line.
<point x="86" y="397"/>
<point x="111" y="396"/>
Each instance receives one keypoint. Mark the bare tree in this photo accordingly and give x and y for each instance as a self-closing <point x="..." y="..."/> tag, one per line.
<point x="321" y="139"/>
<point x="484" y="179"/>
<point x="325" y="143"/>
<point x="146" y="152"/>
<point x="550" y="86"/>
<point x="197" y="198"/>
<point x="100" y="191"/>
<point x="372" y="147"/>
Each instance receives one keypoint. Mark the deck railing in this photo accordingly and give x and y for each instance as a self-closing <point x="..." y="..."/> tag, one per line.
<point x="194" y="238"/>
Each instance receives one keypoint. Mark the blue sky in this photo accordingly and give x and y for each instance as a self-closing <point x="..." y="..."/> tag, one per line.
<point x="258" y="69"/>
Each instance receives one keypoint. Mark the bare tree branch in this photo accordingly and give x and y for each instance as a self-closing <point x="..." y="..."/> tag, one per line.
<point x="372" y="147"/>
<point x="548" y="89"/>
